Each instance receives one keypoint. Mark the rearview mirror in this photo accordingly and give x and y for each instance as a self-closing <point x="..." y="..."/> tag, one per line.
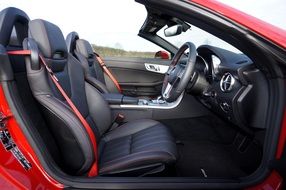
<point x="173" y="30"/>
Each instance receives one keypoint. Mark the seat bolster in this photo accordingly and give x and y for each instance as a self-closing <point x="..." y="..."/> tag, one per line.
<point x="136" y="160"/>
<point x="138" y="144"/>
<point x="72" y="133"/>
<point x="96" y="84"/>
<point x="98" y="108"/>
<point x="71" y="41"/>
<point x="130" y="128"/>
<point x="84" y="48"/>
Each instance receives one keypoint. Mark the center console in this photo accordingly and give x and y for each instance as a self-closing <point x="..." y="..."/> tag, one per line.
<point x="121" y="101"/>
<point x="118" y="99"/>
<point x="154" y="108"/>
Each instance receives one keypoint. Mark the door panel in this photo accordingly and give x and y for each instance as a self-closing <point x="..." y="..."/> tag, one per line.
<point x="135" y="78"/>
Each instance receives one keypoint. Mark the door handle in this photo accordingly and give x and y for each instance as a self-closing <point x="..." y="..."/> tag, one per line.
<point x="156" y="68"/>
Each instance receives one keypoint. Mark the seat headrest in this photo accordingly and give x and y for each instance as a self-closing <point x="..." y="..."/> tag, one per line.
<point x="13" y="18"/>
<point x="71" y="41"/>
<point x="49" y="38"/>
<point x="84" y="48"/>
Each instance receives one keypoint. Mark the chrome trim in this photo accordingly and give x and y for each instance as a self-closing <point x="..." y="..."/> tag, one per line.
<point x="226" y="83"/>
<point x="151" y="104"/>
<point x="156" y="68"/>
<point x="167" y="91"/>
<point x="215" y="64"/>
<point x="207" y="69"/>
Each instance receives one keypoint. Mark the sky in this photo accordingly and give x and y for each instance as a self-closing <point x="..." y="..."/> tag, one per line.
<point x="272" y="11"/>
<point x="115" y="23"/>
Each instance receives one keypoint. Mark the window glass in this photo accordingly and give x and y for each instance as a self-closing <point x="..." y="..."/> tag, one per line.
<point x="198" y="37"/>
<point x="138" y="50"/>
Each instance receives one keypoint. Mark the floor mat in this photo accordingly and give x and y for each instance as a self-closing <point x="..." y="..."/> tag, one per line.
<point x="205" y="159"/>
<point x="205" y="147"/>
<point x="200" y="128"/>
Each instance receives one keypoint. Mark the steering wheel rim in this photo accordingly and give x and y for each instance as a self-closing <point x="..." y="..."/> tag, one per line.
<point x="177" y="77"/>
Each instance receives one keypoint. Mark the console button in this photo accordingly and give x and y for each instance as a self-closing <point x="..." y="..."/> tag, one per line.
<point x="225" y="107"/>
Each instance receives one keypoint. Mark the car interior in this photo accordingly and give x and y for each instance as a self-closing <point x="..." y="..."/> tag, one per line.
<point x="198" y="115"/>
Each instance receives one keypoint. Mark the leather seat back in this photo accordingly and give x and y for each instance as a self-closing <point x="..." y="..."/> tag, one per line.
<point x="13" y="30"/>
<point x="83" y="51"/>
<point x="71" y="136"/>
<point x="71" y="39"/>
<point x="13" y="20"/>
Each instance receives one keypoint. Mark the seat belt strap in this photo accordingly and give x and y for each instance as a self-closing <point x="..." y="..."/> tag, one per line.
<point x="118" y="121"/>
<point x="19" y="52"/>
<point x="109" y="74"/>
<point x="94" y="168"/>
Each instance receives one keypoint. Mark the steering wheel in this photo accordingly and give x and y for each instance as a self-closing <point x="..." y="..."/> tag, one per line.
<point x="178" y="76"/>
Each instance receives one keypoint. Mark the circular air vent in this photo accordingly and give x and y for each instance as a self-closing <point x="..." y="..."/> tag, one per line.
<point x="227" y="82"/>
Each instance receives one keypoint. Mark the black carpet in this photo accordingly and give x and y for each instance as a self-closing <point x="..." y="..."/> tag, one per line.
<point x="205" y="159"/>
<point x="205" y="147"/>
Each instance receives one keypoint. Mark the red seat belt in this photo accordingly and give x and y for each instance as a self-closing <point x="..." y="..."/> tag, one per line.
<point x="94" y="168"/>
<point x="105" y="69"/>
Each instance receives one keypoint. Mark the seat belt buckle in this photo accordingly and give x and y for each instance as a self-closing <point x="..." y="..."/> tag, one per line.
<point x="119" y="119"/>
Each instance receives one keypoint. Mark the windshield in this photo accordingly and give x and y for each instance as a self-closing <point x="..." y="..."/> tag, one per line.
<point x="198" y="37"/>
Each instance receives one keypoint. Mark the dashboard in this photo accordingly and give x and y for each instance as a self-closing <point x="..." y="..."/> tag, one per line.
<point x="236" y="90"/>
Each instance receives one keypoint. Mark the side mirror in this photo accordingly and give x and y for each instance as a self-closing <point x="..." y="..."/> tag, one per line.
<point x="173" y="30"/>
<point x="162" y="55"/>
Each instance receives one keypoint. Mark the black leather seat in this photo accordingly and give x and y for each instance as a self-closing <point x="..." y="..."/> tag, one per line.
<point x="135" y="148"/>
<point x="83" y="51"/>
<point x="138" y="144"/>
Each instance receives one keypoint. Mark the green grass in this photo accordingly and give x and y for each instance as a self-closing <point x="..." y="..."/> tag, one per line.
<point x="113" y="52"/>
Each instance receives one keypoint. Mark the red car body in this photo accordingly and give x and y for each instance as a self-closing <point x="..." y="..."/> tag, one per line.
<point x="14" y="176"/>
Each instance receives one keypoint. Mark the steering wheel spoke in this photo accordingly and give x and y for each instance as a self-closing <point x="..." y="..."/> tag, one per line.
<point x="181" y="73"/>
<point x="171" y="68"/>
<point x="178" y="76"/>
<point x="167" y="91"/>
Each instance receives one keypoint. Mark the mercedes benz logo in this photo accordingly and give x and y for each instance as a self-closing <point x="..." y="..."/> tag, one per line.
<point x="227" y="82"/>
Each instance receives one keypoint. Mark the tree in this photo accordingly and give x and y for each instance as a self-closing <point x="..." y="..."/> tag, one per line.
<point x="118" y="45"/>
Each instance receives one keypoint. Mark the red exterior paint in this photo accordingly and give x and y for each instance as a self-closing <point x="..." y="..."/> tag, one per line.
<point x="272" y="33"/>
<point x="282" y="138"/>
<point x="272" y="182"/>
<point x="12" y="174"/>
<point x="162" y="55"/>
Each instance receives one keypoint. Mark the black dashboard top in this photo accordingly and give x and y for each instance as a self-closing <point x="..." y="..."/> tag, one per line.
<point x="228" y="60"/>
<point x="234" y="86"/>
